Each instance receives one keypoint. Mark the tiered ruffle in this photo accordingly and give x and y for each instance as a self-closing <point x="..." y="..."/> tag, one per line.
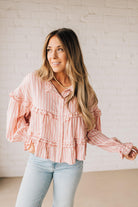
<point x="58" y="137"/>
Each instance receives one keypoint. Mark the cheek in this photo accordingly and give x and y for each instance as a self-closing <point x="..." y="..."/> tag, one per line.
<point x="64" y="58"/>
<point x="48" y="58"/>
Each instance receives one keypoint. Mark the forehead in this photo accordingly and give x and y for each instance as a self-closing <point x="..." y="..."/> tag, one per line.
<point x="54" y="42"/>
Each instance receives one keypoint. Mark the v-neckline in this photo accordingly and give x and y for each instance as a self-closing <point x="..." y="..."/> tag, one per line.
<point x="58" y="90"/>
<point x="60" y="93"/>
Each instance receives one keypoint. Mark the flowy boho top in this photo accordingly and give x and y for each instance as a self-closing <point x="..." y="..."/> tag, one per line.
<point x="58" y="133"/>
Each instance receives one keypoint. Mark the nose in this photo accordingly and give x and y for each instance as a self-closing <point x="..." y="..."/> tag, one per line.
<point x="54" y="54"/>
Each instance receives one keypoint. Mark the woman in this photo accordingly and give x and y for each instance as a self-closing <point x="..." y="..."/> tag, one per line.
<point x="55" y="112"/>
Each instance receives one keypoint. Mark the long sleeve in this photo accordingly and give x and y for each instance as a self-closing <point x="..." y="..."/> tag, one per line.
<point x="96" y="137"/>
<point x="18" y="110"/>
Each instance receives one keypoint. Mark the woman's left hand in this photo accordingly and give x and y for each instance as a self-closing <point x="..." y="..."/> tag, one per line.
<point x="31" y="149"/>
<point x="133" y="154"/>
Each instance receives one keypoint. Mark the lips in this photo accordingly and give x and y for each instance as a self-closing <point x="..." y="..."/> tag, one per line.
<point x="56" y="63"/>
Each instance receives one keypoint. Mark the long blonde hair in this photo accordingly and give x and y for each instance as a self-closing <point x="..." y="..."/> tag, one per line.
<point x="76" y="71"/>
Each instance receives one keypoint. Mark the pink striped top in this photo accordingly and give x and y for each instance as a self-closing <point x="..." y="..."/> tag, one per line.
<point x="58" y="134"/>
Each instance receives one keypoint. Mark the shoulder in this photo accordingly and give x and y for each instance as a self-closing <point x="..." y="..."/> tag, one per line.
<point x="27" y="82"/>
<point x="28" y="77"/>
<point x="31" y="77"/>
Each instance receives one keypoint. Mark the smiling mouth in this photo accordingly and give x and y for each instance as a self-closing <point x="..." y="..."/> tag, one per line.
<point x="55" y="64"/>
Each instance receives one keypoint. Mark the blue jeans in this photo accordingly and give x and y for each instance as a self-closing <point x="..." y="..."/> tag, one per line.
<point x="38" y="175"/>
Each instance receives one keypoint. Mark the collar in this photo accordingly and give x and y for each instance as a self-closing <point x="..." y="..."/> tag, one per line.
<point x="50" y="87"/>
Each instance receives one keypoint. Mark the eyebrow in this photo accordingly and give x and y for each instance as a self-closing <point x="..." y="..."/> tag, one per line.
<point x="57" y="46"/>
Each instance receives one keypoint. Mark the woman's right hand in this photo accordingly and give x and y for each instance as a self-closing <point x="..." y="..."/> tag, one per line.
<point x="31" y="149"/>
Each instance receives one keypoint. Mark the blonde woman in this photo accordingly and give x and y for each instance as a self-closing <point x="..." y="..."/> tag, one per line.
<point x="54" y="111"/>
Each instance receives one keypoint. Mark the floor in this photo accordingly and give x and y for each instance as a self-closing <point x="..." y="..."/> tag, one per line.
<point x="96" y="189"/>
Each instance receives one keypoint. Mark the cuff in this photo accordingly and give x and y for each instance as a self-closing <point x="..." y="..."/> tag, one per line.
<point x="125" y="149"/>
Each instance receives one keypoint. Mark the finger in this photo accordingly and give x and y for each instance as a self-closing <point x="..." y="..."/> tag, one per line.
<point x="31" y="148"/>
<point x="135" y="148"/>
<point x="133" y="153"/>
<point x="129" y="157"/>
<point x="133" y="156"/>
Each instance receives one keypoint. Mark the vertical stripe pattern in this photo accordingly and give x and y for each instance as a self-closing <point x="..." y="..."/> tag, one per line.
<point x="58" y="133"/>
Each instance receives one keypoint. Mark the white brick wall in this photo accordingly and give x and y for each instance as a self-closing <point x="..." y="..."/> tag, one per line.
<point x="108" y="33"/>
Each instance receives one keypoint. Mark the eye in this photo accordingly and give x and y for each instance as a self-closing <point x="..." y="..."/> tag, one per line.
<point x="48" y="50"/>
<point x="60" y="49"/>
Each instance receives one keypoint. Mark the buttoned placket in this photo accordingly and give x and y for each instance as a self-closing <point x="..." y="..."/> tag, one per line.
<point x="61" y="124"/>
<point x="61" y="129"/>
<point x="62" y="96"/>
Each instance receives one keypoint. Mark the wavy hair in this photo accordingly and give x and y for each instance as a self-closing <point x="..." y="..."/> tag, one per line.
<point x="76" y="71"/>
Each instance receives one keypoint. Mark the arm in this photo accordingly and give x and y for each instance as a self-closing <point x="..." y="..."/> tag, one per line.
<point x="96" y="137"/>
<point x="18" y="113"/>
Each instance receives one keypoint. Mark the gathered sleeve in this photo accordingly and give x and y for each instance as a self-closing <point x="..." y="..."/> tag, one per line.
<point x="96" y="137"/>
<point x="18" y="112"/>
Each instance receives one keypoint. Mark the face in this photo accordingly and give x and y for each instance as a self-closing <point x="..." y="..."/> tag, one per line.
<point x="56" y="55"/>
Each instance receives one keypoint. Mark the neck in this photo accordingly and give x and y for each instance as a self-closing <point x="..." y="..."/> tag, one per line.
<point x="62" y="78"/>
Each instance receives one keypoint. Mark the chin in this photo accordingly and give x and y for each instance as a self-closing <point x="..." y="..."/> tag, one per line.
<point x="57" y="70"/>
